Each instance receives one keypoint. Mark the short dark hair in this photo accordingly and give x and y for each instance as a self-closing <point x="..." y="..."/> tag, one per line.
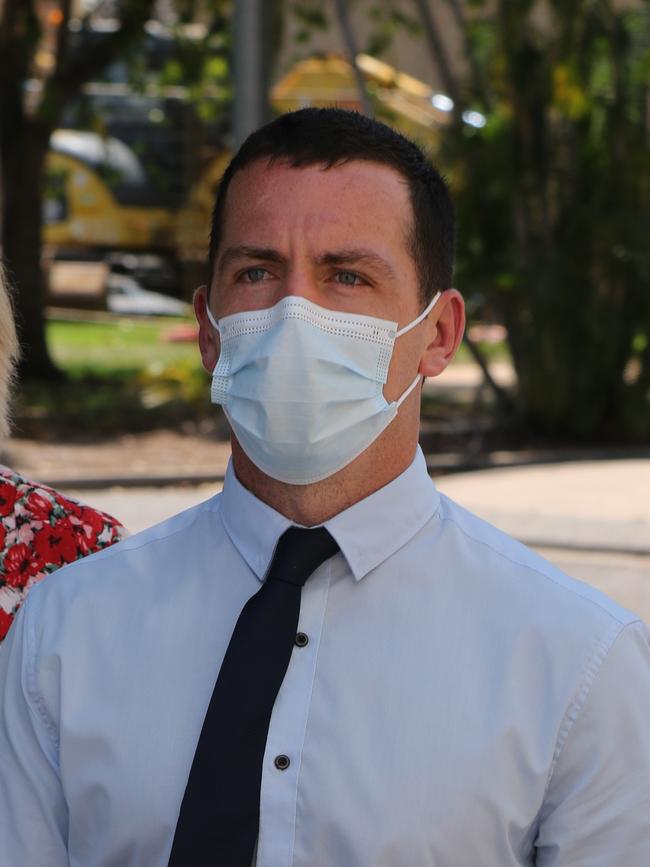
<point x="333" y="136"/>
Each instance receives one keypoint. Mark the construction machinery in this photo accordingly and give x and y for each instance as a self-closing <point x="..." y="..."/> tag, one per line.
<point x="136" y="186"/>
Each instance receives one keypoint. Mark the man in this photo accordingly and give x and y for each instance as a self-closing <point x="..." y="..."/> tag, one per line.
<point x="446" y="697"/>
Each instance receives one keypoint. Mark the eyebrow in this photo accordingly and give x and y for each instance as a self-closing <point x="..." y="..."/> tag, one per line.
<point x="264" y="254"/>
<point x="346" y="257"/>
<point x="357" y="257"/>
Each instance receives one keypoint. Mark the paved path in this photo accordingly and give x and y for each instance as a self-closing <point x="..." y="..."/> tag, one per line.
<point x="590" y="518"/>
<point x="595" y="505"/>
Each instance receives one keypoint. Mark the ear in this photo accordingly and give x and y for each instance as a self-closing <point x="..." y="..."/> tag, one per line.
<point x="447" y="330"/>
<point x="209" y="344"/>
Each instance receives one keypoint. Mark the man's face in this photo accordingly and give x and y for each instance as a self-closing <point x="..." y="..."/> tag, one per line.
<point x="338" y="237"/>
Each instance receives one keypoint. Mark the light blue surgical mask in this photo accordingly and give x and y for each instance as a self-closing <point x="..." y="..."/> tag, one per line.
<point x="302" y="386"/>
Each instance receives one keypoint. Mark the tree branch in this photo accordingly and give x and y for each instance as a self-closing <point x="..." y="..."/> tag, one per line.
<point x="352" y="51"/>
<point x="460" y="20"/>
<point x="438" y="52"/>
<point x="503" y="398"/>
<point x="80" y="67"/>
<point x="63" y="35"/>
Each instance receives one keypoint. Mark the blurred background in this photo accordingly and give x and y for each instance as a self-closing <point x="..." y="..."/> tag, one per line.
<point x="117" y="119"/>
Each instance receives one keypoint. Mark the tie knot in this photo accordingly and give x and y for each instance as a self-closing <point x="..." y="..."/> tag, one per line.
<point x="299" y="552"/>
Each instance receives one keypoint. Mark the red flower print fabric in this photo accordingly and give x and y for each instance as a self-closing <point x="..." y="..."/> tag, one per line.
<point x="41" y="530"/>
<point x="8" y="496"/>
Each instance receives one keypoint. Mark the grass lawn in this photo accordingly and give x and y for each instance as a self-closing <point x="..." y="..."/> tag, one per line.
<point x="103" y="348"/>
<point x="120" y="375"/>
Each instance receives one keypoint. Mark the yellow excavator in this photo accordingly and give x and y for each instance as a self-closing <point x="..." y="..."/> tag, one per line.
<point x="108" y="194"/>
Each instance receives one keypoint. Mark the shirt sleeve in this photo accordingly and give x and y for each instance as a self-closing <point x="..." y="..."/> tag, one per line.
<point x="33" y="814"/>
<point x="597" y="808"/>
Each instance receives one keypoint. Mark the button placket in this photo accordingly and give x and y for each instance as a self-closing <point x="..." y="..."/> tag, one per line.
<point x="286" y="734"/>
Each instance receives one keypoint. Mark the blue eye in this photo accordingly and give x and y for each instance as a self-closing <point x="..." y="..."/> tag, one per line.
<point x="254" y="275"/>
<point x="348" y="278"/>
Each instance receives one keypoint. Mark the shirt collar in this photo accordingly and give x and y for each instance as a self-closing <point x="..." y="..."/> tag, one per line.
<point x="373" y="529"/>
<point x="403" y="505"/>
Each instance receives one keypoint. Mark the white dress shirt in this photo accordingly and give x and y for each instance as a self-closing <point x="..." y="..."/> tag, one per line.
<point x="460" y="702"/>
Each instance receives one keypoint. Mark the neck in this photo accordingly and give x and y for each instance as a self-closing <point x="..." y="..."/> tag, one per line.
<point x="311" y="505"/>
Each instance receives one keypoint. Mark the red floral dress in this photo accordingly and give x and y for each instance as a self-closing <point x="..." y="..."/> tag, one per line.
<point x="41" y="530"/>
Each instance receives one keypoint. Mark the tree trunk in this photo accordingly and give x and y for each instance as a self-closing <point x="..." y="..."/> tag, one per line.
<point x="23" y="162"/>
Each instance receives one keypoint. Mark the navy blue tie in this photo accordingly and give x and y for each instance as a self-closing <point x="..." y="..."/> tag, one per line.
<point x="219" y="817"/>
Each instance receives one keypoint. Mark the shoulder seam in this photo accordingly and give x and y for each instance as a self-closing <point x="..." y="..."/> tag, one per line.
<point x="125" y="546"/>
<point x="577" y="704"/>
<point x="545" y="575"/>
<point x="32" y="689"/>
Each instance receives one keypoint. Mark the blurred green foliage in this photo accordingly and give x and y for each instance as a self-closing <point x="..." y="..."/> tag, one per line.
<point x="122" y="345"/>
<point x="553" y="197"/>
<point x="553" y="192"/>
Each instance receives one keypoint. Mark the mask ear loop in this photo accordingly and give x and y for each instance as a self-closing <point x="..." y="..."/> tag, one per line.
<point x="419" y="319"/>
<point x="400" y="400"/>
<point x="215" y="325"/>
<point x="213" y="321"/>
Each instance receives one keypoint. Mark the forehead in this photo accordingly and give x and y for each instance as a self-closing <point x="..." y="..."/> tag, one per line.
<point x="355" y="197"/>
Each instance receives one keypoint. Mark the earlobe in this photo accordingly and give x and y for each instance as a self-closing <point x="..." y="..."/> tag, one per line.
<point x="208" y="338"/>
<point x="449" y="328"/>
